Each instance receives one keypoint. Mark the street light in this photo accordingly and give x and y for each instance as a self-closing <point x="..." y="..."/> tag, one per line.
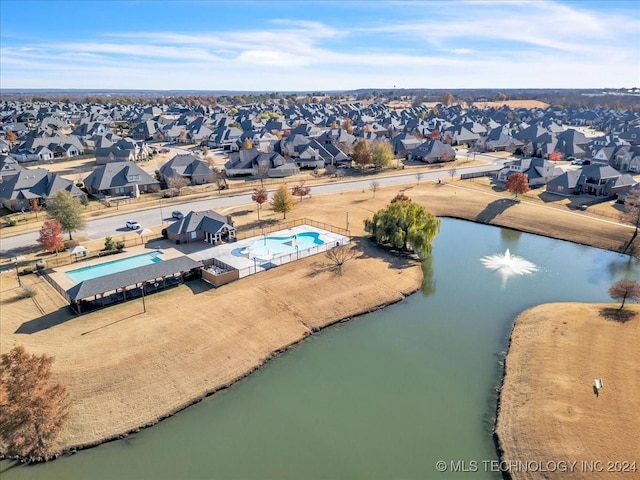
<point x="161" y="215"/>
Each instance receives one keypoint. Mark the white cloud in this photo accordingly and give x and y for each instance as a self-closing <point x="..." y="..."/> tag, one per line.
<point x="505" y="45"/>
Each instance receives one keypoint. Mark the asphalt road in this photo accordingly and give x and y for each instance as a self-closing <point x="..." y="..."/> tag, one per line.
<point x="111" y="226"/>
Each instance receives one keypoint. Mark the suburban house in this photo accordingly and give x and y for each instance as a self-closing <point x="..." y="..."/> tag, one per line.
<point x="254" y="162"/>
<point x="9" y="166"/>
<point x="224" y="137"/>
<point x="113" y="154"/>
<point x="433" y="151"/>
<point x="33" y="187"/>
<point x="603" y="180"/>
<point x="47" y="148"/>
<point x="498" y="140"/>
<point x="565" y="184"/>
<point x="119" y="179"/>
<point x="597" y="180"/>
<point x="403" y="143"/>
<point x="207" y="226"/>
<point x="188" y="166"/>
<point x="538" y="170"/>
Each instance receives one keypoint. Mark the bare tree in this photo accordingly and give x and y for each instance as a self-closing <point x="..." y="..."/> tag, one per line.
<point x="262" y="172"/>
<point x="373" y="186"/>
<point x="625" y="290"/>
<point x="300" y="190"/>
<point x="176" y="183"/>
<point x="338" y="256"/>
<point x="452" y="172"/>
<point x="631" y="213"/>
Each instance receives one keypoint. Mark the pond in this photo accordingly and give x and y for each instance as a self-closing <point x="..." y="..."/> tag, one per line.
<point x="384" y="396"/>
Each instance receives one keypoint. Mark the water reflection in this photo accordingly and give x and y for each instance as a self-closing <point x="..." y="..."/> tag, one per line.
<point x="618" y="267"/>
<point x="510" y="237"/>
<point x="428" y="286"/>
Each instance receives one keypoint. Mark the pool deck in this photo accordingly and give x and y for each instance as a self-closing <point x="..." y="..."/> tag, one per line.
<point x="200" y="251"/>
<point x="247" y="264"/>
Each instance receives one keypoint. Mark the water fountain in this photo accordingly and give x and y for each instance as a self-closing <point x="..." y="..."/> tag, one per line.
<point x="508" y="265"/>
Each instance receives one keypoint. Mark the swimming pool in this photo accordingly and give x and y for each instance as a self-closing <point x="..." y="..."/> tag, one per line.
<point x="271" y="247"/>
<point x="93" y="271"/>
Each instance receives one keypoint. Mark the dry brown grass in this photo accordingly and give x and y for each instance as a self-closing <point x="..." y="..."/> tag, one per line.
<point x="548" y="408"/>
<point x="125" y="368"/>
<point x="513" y="104"/>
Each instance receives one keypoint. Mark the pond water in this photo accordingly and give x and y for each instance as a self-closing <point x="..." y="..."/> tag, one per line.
<point x="384" y="396"/>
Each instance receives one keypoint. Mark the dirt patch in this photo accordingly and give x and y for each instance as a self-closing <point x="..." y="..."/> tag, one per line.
<point x="549" y="410"/>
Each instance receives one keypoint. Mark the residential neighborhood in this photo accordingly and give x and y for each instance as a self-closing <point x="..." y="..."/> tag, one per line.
<point x="278" y="141"/>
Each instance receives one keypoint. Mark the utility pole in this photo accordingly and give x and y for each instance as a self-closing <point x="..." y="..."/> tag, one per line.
<point x="144" y="305"/>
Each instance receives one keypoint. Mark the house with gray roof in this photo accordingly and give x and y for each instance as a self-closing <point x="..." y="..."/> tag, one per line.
<point x="565" y="184"/>
<point x="208" y="226"/>
<point x="403" y="143"/>
<point x="33" y="187"/>
<point x="433" y="151"/>
<point x="120" y="178"/>
<point x="538" y="170"/>
<point x="498" y="139"/>
<point x="603" y="180"/>
<point x="253" y="162"/>
<point x="114" y="154"/>
<point x="9" y="166"/>
<point x="188" y="166"/>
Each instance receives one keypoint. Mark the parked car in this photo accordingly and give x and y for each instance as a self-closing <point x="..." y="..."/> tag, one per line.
<point x="177" y="214"/>
<point x="132" y="225"/>
<point x="164" y="150"/>
<point x="577" y="162"/>
<point x="584" y="206"/>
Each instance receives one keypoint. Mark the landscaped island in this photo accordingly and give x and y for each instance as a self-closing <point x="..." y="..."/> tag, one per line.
<point x="550" y="414"/>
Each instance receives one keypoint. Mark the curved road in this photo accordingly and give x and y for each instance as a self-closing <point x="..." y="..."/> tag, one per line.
<point x="113" y="225"/>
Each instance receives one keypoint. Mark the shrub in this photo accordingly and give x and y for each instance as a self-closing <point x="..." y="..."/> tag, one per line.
<point x="119" y="245"/>
<point x="12" y="223"/>
<point x="70" y="244"/>
<point x="27" y="292"/>
<point x="27" y="270"/>
<point x="41" y="265"/>
<point x="109" y="244"/>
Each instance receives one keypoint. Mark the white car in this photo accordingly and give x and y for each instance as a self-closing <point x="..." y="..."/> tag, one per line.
<point x="132" y="225"/>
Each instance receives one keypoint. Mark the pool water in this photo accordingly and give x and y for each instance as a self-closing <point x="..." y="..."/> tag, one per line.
<point x="270" y="247"/>
<point x="94" y="271"/>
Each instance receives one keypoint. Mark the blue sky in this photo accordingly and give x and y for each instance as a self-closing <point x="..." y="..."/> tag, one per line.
<point x="324" y="45"/>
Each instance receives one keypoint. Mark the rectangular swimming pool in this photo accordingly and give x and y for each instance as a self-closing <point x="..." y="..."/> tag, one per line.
<point x="93" y="271"/>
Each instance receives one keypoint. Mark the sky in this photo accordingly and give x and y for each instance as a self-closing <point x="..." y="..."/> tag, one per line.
<point x="279" y="46"/>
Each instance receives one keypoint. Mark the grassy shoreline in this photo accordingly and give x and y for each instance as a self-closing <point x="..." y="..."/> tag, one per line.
<point x="547" y="410"/>
<point x="106" y="387"/>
